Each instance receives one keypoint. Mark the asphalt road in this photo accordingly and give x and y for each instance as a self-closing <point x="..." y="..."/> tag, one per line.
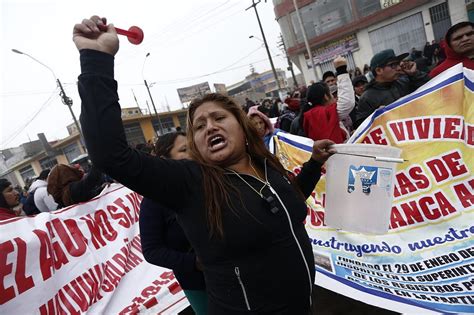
<point x="331" y="303"/>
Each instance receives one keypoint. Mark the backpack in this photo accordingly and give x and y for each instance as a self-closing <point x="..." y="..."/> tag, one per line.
<point x="285" y="120"/>
<point x="29" y="206"/>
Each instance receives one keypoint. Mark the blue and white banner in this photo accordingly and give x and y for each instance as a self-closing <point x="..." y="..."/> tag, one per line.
<point x="425" y="263"/>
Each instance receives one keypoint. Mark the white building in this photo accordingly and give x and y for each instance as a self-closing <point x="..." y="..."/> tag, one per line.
<point x="357" y="29"/>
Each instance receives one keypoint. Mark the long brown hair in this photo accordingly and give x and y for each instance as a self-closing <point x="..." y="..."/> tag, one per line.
<point x="216" y="186"/>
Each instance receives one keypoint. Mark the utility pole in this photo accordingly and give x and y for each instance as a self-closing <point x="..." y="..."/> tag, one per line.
<point x="305" y="38"/>
<point x="254" y="6"/>
<point x="64" y="98"/>
<point x="151" y="98"/>
<point x="290" y="64"/>
<point x="68" y="102"/>
<point x="154" y="107"/>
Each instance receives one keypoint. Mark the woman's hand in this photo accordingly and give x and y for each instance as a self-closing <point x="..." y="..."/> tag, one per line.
<point x="94" y="34"/>
<point x="322" y="150"/>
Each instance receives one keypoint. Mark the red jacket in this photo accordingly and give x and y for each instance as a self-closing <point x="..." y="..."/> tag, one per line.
<point x="452" y="58"/>
<point x="322" y="122"/>
<point x="6" y="214"/>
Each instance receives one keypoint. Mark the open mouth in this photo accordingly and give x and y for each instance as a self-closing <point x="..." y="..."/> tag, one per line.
<point x="216" y="142"/>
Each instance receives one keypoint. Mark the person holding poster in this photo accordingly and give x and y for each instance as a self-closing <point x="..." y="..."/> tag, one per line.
<point x="241" y="211"/>
<point x="163" y="241"/>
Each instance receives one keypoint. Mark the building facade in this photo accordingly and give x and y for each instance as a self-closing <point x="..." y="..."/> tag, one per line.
<point x="357" y="29"/>
<point x="19" y="165"/>
<point x="258" y="84"/>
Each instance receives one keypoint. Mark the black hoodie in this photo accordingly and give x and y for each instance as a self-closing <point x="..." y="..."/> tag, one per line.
<point x="264" y="263"/>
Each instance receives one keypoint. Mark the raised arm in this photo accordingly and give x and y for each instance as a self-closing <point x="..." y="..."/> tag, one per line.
<point x="345" y="90"/>
<point x="158" y="179"/>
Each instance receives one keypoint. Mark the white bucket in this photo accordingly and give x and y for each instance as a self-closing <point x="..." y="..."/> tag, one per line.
<point x="359" y="190"/>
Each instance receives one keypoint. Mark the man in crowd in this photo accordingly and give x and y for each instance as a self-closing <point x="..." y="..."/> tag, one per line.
<point x="393" y="79"/>
<point x="43" y="201"/>
<point x="359" y="83"/>
<point x="459" y="47"/>
<point x="330" y="79"/>
<point x="9" y="199"/>
<point x="428" y="52"/>
<point x="248" y="103"/>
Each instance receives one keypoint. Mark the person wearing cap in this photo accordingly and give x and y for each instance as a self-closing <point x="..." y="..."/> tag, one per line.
<point x="359" y="83"/>
<point x="9" y="199"/>
<point x="329" y="78"/>
<point x="325" y="119"/>
<point x="393" y="79"/>
<point x="459" y="47"/>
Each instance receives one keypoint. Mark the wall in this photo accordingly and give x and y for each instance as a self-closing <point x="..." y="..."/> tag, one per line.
<point x="457" y="10"/>
<point x="176" y="121"/>
<point x="147" y="129"/>
<point x="62" y="159"/>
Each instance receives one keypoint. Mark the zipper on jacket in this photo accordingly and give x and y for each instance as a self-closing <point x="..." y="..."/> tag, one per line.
<point x="237" y="273"/>
<point x="297" y="243"/>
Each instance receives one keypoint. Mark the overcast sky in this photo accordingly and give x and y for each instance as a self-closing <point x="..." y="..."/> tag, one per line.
<point x="186" y="40"/>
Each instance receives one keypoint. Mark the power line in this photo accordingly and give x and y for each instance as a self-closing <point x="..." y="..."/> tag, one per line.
<point x="21" y="129"/>
<point x="211" y="73"/>
<point x="182" y="80"/>
<point x="213" y="23"/>
<point x="188" y="24"/>
<point x="24" y="93"/>
<point x="67" y="86"/>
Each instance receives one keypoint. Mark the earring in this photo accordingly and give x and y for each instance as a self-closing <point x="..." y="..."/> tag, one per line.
<point x="246" y="142"/>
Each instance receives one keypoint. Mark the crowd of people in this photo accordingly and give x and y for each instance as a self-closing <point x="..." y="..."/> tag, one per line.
<point x="334" y="107"/>
<point x="219" y="209"/>
<point x="62" y="186"/>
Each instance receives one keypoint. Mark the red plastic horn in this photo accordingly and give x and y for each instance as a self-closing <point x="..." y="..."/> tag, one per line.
<point x="134" y="33"/>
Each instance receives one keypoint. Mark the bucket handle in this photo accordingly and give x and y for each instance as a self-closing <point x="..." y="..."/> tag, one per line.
<point x="377" y="158"/>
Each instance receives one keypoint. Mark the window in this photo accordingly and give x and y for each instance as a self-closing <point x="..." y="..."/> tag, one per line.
<point x="182" y="121"/>
<point x="329" y="66"/>
<point x="367" y="7"/>
<point x="134" y="134"/>
<point x="322" y="17"/>
<point x="71" y="151"/>
<point x="440" y="19"/>
<point x="48" y="162"/>
<point x="401" y="36"/>
<point x="27" y="173"/>
<point x="166" y="122"/>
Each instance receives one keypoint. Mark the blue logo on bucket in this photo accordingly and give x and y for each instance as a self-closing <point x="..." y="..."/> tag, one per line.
<point x="367" y="176"/>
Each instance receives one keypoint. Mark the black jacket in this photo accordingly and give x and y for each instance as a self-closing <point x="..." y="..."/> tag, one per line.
<point x="164" y="244"/>
<point x="264" y="264"/>
<point x="380" y="94"/>
<point x="88" y="187"/>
